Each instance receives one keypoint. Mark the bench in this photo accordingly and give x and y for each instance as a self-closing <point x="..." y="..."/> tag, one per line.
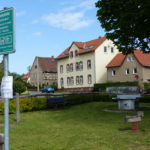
<point x="56" y="101"/>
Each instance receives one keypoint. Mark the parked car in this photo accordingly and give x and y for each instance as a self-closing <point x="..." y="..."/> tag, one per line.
<point x="48" y="90"/>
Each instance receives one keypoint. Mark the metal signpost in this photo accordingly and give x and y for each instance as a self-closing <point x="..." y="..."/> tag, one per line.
<point x="7" y="45"/>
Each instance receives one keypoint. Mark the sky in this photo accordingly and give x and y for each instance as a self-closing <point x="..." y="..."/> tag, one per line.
<point x="45" y="28"/>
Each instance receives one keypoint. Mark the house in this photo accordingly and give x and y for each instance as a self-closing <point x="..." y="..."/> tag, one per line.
<point x="43" y="71"/>
<point x="133" y="67"/>
<point x="83" y="64"/>
<point x="26" y="77"/>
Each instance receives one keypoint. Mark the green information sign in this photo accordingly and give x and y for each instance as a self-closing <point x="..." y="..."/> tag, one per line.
<point x="7" y="34"/>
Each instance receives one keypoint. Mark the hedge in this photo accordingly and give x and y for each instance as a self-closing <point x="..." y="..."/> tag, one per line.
<point x="84" y="98"/>
<point x="103" y="86"/>
<point x="29" y="104"/>
<point x="33" y="103"/>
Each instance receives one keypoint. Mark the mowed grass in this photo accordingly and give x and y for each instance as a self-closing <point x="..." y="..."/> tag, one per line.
<point x="82" y="127"/>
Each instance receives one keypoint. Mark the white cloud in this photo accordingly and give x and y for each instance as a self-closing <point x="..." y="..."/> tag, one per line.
<point x="21" y="13"/>
<point x="71" y="18"/>
<point x="35" y="21"/>
<point x="68" y="21"/>
<point x="37" y="34"/>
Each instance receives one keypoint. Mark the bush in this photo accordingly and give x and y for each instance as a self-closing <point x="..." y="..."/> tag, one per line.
<point x="147" y="86"/>
<point x="84" y="98"/>
<point x="26" y="104"/>
<point x="18" y="87"/>
<point x="145" y="99"/>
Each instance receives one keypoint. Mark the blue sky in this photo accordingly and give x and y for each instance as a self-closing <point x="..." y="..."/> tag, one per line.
<point x="46" y="27"/>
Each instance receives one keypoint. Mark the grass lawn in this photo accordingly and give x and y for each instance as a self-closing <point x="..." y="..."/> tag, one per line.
<point x="82" y="127"/>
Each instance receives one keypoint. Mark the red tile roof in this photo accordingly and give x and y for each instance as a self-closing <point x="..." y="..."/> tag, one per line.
<point x="26" y="76"/>
<point x="83" y="47"/>
<point x="48" y="64"/>
<point x="117" y="60"/>
<point x="142" y="58"/>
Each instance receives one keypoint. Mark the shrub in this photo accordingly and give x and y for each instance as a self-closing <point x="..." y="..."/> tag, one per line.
<point x="145" y="99"/>
<point x="26" y="104"/>
<point x="147" y="86"/>
<point x="18" y="86"/>
<point x="84" y="98"/>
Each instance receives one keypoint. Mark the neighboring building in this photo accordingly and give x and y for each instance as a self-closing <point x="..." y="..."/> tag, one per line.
<point x="43" y="71"/>
<point x="83" y="64"/>
<point x="26" y="77"/>
<point x="133" y="67"/>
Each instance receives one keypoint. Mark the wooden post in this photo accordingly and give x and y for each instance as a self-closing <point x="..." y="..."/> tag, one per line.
<point x="1" y="141"/>
<point x="17" y="108"/>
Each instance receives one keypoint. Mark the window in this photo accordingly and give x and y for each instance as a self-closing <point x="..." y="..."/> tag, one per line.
<point x="77" y="66"/>
<point x="71" y="67"/>
<point x="61" y="82"/>
<point x="76" y="53"/>
<point x="81" y="80"/>
<point x="77" y="80"/>
<point x="67" y="67"/>
<point x="61" y="68"/>
<point x="72" y="81"/>
<point x="89" y="64"/>
<point x="71" y="54"/>
<point x="81" y="65"/>
<point x="35" y="66"/>
<point x="68" y="80"/>
<point x="113" y="72"/>
<point x="105" y="49"/>
<point x="89" y="79"/>
<point x="134" y="70"/>
<point x="112" y="50"/>
<point x="130" y="58"/>
<point x="127" y="71"/>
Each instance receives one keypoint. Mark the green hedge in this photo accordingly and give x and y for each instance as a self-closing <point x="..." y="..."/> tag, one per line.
<point x="147" y="86"/>
<point x="26" y="104"/>
<point x="145" y="99"/>
<point x="84" y="98"/>
<point x="103" y="86"/>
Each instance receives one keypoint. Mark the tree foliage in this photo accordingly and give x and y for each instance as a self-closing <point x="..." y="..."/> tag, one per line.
<point x="126" y="22"/>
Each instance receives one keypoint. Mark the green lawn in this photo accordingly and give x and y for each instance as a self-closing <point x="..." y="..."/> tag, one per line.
<point x="82" y="127"/>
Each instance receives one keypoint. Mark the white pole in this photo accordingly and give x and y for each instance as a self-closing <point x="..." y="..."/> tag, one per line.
<point x="6" y="108"/>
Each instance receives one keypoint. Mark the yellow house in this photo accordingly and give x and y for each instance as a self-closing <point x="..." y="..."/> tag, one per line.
<point x="83" y="64"/>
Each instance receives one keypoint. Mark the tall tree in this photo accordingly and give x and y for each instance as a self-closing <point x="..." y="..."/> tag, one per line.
<point x="126" y="22"/>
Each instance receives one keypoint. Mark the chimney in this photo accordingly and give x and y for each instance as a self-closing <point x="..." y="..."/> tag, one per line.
<point x="84" y="45"/>
<point x="52" y="58"/>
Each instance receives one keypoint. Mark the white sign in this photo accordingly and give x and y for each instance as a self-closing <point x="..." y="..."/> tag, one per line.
<point x="7" y="87"/>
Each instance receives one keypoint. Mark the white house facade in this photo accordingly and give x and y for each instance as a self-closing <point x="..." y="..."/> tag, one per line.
<point x="83" y="64"/>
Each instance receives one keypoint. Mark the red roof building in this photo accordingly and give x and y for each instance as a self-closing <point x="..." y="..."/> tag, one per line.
<point x="44" y="71"/>
<point x="129" y="67"/>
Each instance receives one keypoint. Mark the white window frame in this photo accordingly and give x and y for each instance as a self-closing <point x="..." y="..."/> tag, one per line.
<point x="89" y="79"/>
<point x="113" y="73"/>
<point x="127" y="71"/>
<point x="135" y="72"/>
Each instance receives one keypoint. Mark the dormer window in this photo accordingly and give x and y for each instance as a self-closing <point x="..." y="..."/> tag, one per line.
<point x="105" y="49"/>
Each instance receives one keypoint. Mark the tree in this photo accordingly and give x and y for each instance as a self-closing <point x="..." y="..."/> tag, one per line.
<point x="126" y="22"/>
